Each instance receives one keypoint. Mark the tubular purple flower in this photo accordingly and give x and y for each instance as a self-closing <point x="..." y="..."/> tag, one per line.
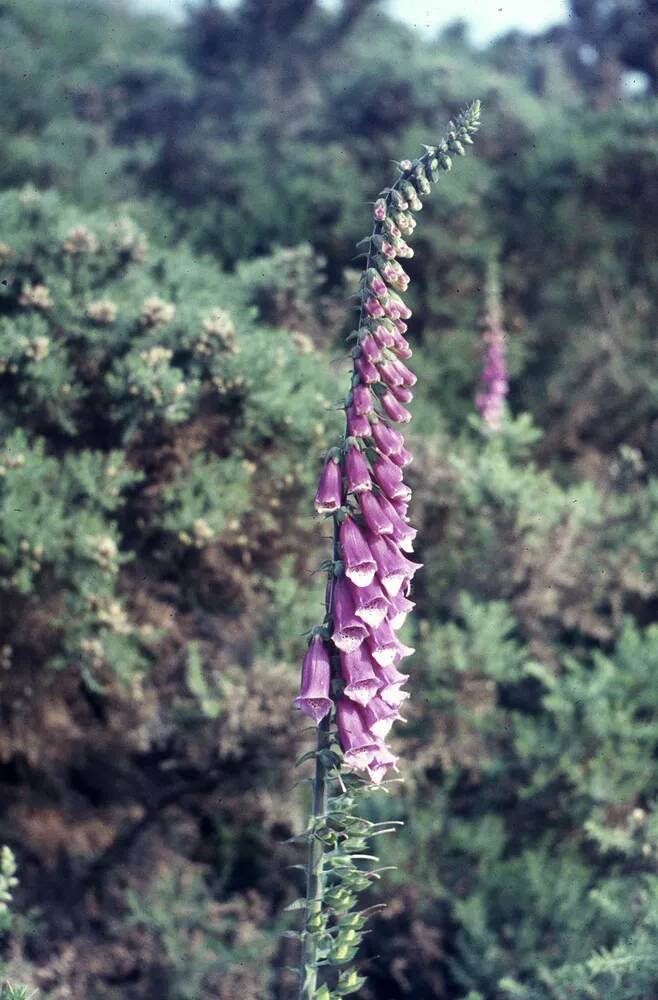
<point x="411" y="568"/>
<point x="357" y="425"/>
<point x="401" y="507"/>
<point x="402" y="532"/>
<point x="361" y="399"/>
<point x="390" y="571"/>
<point x="329" y="496"/>
<point x="394" y="695"/>
<point x="402" y="493"/>
<point x="383" y="336"/>
<point x="370" y="604"/>
<point x="383" y="644"/>
<point x="381" y="763"/>
<point x="393" y="569"/>
<point x="370" y="350"/>
<point x="361" y="681"/>
<point x="358" y="744"/>
<point x="375" y="283"/>
<point x="393" y="273"/>
<point x="374" y="516"/>
<point x="390" y="677"/>
<point x="391" y="309"/>
<point x="387" y="270"/>
<point x="372" y="307"/>
<point x="401" y="348"/>
<point x="357" y="471"/>
<point x="357" y="558"/>
<point x="394" y="409"/>
<point x="313" y="698"/>
<point x="402" y="394"/>
<point x="402" y="311"/>
<point x="404" y="535"/>
<point x="348" y="632"/>
<point x="388" y="477"/>
<point x="402" y="458"/>
<point x="367" y="371"/>
<point x="379" y="717"/>
<point x="403" y="651"/>
<point x="388" y="249"/>
<point x="387" y="467"/>
<point x="400" y="345"/>
<point x="407" y="376"/>
<point x="388" y="373"/>
<point x="386" y="438"/>
<point x="400" y="607"/>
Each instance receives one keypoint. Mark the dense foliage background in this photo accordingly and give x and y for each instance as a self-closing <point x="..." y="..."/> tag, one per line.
<point x="177" y="230"/>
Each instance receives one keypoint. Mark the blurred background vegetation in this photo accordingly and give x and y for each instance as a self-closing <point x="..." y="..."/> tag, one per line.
<point x="180" y="203"/>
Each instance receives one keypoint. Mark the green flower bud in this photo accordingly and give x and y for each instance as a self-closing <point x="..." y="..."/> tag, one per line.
<point x="350" y="981"/>
<point x="379" y="211"/>
<point x="342" y="953"/>
<point x="420" y="180"/>
<point x="340" y="899"/>
<point x="397" y="201"/>
<point x="315" y="922"/>
<point x="432" y="169"/>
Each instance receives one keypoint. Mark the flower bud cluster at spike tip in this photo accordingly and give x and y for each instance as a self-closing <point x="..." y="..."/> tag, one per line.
<point x="490" y="399"/>
<point x="362" y="486"/>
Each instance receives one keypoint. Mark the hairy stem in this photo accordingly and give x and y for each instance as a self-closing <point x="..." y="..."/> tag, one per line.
<point x="314" y="868"/>
<point x="314" y="865"/>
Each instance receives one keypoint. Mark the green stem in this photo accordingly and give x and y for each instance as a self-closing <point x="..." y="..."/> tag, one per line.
<point x="314" y="866"/>
<point x="314" y="869"/>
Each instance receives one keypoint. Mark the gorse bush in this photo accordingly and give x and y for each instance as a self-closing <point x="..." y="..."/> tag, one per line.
<point x="207" y="945"/>
<point x="106" y="346"/>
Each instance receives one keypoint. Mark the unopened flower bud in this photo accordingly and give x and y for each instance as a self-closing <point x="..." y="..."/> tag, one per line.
<point x="379" y="211"/>
<point x="361" y="399"/>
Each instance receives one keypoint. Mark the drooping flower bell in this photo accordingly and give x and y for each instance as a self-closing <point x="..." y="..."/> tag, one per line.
<point x="360" y="746"/>
<point x="313" y="698"/>
<point x="329" y="494"/>
<point x="361" y="681"/>
<point x="360" y="567"/>
<point x="357" y="471"/>
<point x="348" y="630"/>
